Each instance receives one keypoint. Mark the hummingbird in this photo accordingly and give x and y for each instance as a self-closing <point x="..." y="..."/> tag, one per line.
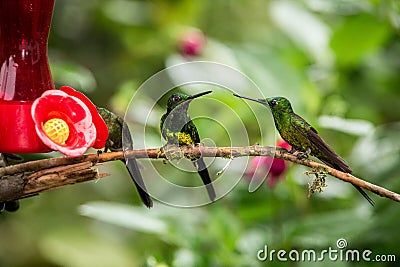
<point x="302" y="137"/>
<point x="119" y="138"/>
<point x="177" y="128"/>
<point x="12" y="205"/>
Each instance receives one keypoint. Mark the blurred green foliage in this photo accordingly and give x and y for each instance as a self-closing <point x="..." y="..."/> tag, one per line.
<point x="337" y="61"/>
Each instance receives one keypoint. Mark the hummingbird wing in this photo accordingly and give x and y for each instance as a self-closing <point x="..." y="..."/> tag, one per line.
<point x="191" y="129"/>
<point x="162" y="129"/>
<point x="325" y="153"/>
<point x="133" y="168"/>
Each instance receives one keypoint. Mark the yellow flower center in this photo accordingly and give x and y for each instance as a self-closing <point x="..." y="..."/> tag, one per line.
<point x="57" y="130"/>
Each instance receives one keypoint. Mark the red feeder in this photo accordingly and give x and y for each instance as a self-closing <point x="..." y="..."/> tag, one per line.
<point x="24" y="71"/>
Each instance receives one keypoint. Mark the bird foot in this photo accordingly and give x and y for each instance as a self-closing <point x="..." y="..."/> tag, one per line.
<point x="301" y="155"/>
<point x="159" y="153"/>
<point x="13" y="157"/>
<point x="172" y="152"/>
<point x="319" y="182"/>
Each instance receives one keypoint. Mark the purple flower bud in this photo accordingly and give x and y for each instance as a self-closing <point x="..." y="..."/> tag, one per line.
<point x="192" y="43"/>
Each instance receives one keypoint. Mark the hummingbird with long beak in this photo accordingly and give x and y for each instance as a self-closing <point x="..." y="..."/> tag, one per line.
<point x="177" y="128"/>
<point x="302" y="137"/>
<point x="119" y="138"/>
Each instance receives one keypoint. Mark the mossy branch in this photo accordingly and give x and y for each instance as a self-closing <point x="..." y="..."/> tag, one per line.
<point x="30" y="178"/>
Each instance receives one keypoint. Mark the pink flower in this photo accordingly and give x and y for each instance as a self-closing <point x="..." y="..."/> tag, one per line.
<point x="66" y="121"/>
<point x="274" y="168"/>
<point x="192" y="43"/>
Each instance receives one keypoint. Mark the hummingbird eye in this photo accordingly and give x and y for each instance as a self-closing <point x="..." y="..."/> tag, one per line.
<point x="274" y="102"/>
<point x="176" y="98"/>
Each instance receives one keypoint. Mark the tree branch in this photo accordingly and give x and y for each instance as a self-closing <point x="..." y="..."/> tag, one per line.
<point x="23" y="185"/>
<point x="33" y="177"/>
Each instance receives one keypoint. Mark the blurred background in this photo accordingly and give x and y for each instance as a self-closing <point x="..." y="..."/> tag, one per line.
<point x="338" y="62"/>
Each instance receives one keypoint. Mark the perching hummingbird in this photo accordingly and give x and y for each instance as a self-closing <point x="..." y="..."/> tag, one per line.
<point x="118" y="129"/>
<point x="177" y="128"/>
<point x="302" y="136"/>
<point x="12" y="205"/>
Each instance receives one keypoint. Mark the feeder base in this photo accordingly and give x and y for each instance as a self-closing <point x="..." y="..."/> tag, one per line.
<point x="17" y="129"/>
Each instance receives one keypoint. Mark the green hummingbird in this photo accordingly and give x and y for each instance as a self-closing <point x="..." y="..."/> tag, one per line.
<point x="119" y="138"/>
<point x="12" y="205"/>
<point x="177" y="128"/>
<point x="302" y="136"/>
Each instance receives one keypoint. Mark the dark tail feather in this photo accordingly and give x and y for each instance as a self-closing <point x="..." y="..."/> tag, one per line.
<point x="341" y="165"/>
<point x="205" y="176"/>
<point x="133" y="169"/>
<point x="362" y="192"/>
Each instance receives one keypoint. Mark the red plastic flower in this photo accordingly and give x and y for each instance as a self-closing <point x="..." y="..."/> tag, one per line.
<point x="260" y="167"/>
<point x="66" y="120"/>
<point x="101" y="127"/>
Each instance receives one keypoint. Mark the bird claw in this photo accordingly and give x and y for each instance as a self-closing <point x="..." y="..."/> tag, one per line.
<point x="283" y="149"/>
<point x="301" y="155"/>
<point x="159" y="153"/>
<point x="172" y="152"/>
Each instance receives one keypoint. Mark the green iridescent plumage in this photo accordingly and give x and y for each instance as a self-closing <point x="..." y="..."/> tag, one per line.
<point x="116" y="126"/>
<point x="302" y="136"/>
<point x="177" y="128"/>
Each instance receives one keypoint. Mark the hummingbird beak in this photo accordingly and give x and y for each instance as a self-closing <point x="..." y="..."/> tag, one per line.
<point x="261" y="101"/>
<point x="198" y="95"/>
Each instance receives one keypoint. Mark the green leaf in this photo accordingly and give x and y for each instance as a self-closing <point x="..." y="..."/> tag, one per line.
<point x="378" y="152"/>
<point x="74" y="75"/>
<point x="324" y="229"/>
<point x="123" y="215"/>
<point x="350" y="126"/>
<point x="304" y="28"/>
<point x="357" y="37"/>
<point x="74" y="246"/>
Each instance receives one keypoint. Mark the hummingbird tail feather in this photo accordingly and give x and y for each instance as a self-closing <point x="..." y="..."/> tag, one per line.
<point x="133" y="169"/>
<point x="205" y="177"/>
<point x="364" y="194"/>
<point x="341" y="165"/>
<point x="133" y="166"/>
